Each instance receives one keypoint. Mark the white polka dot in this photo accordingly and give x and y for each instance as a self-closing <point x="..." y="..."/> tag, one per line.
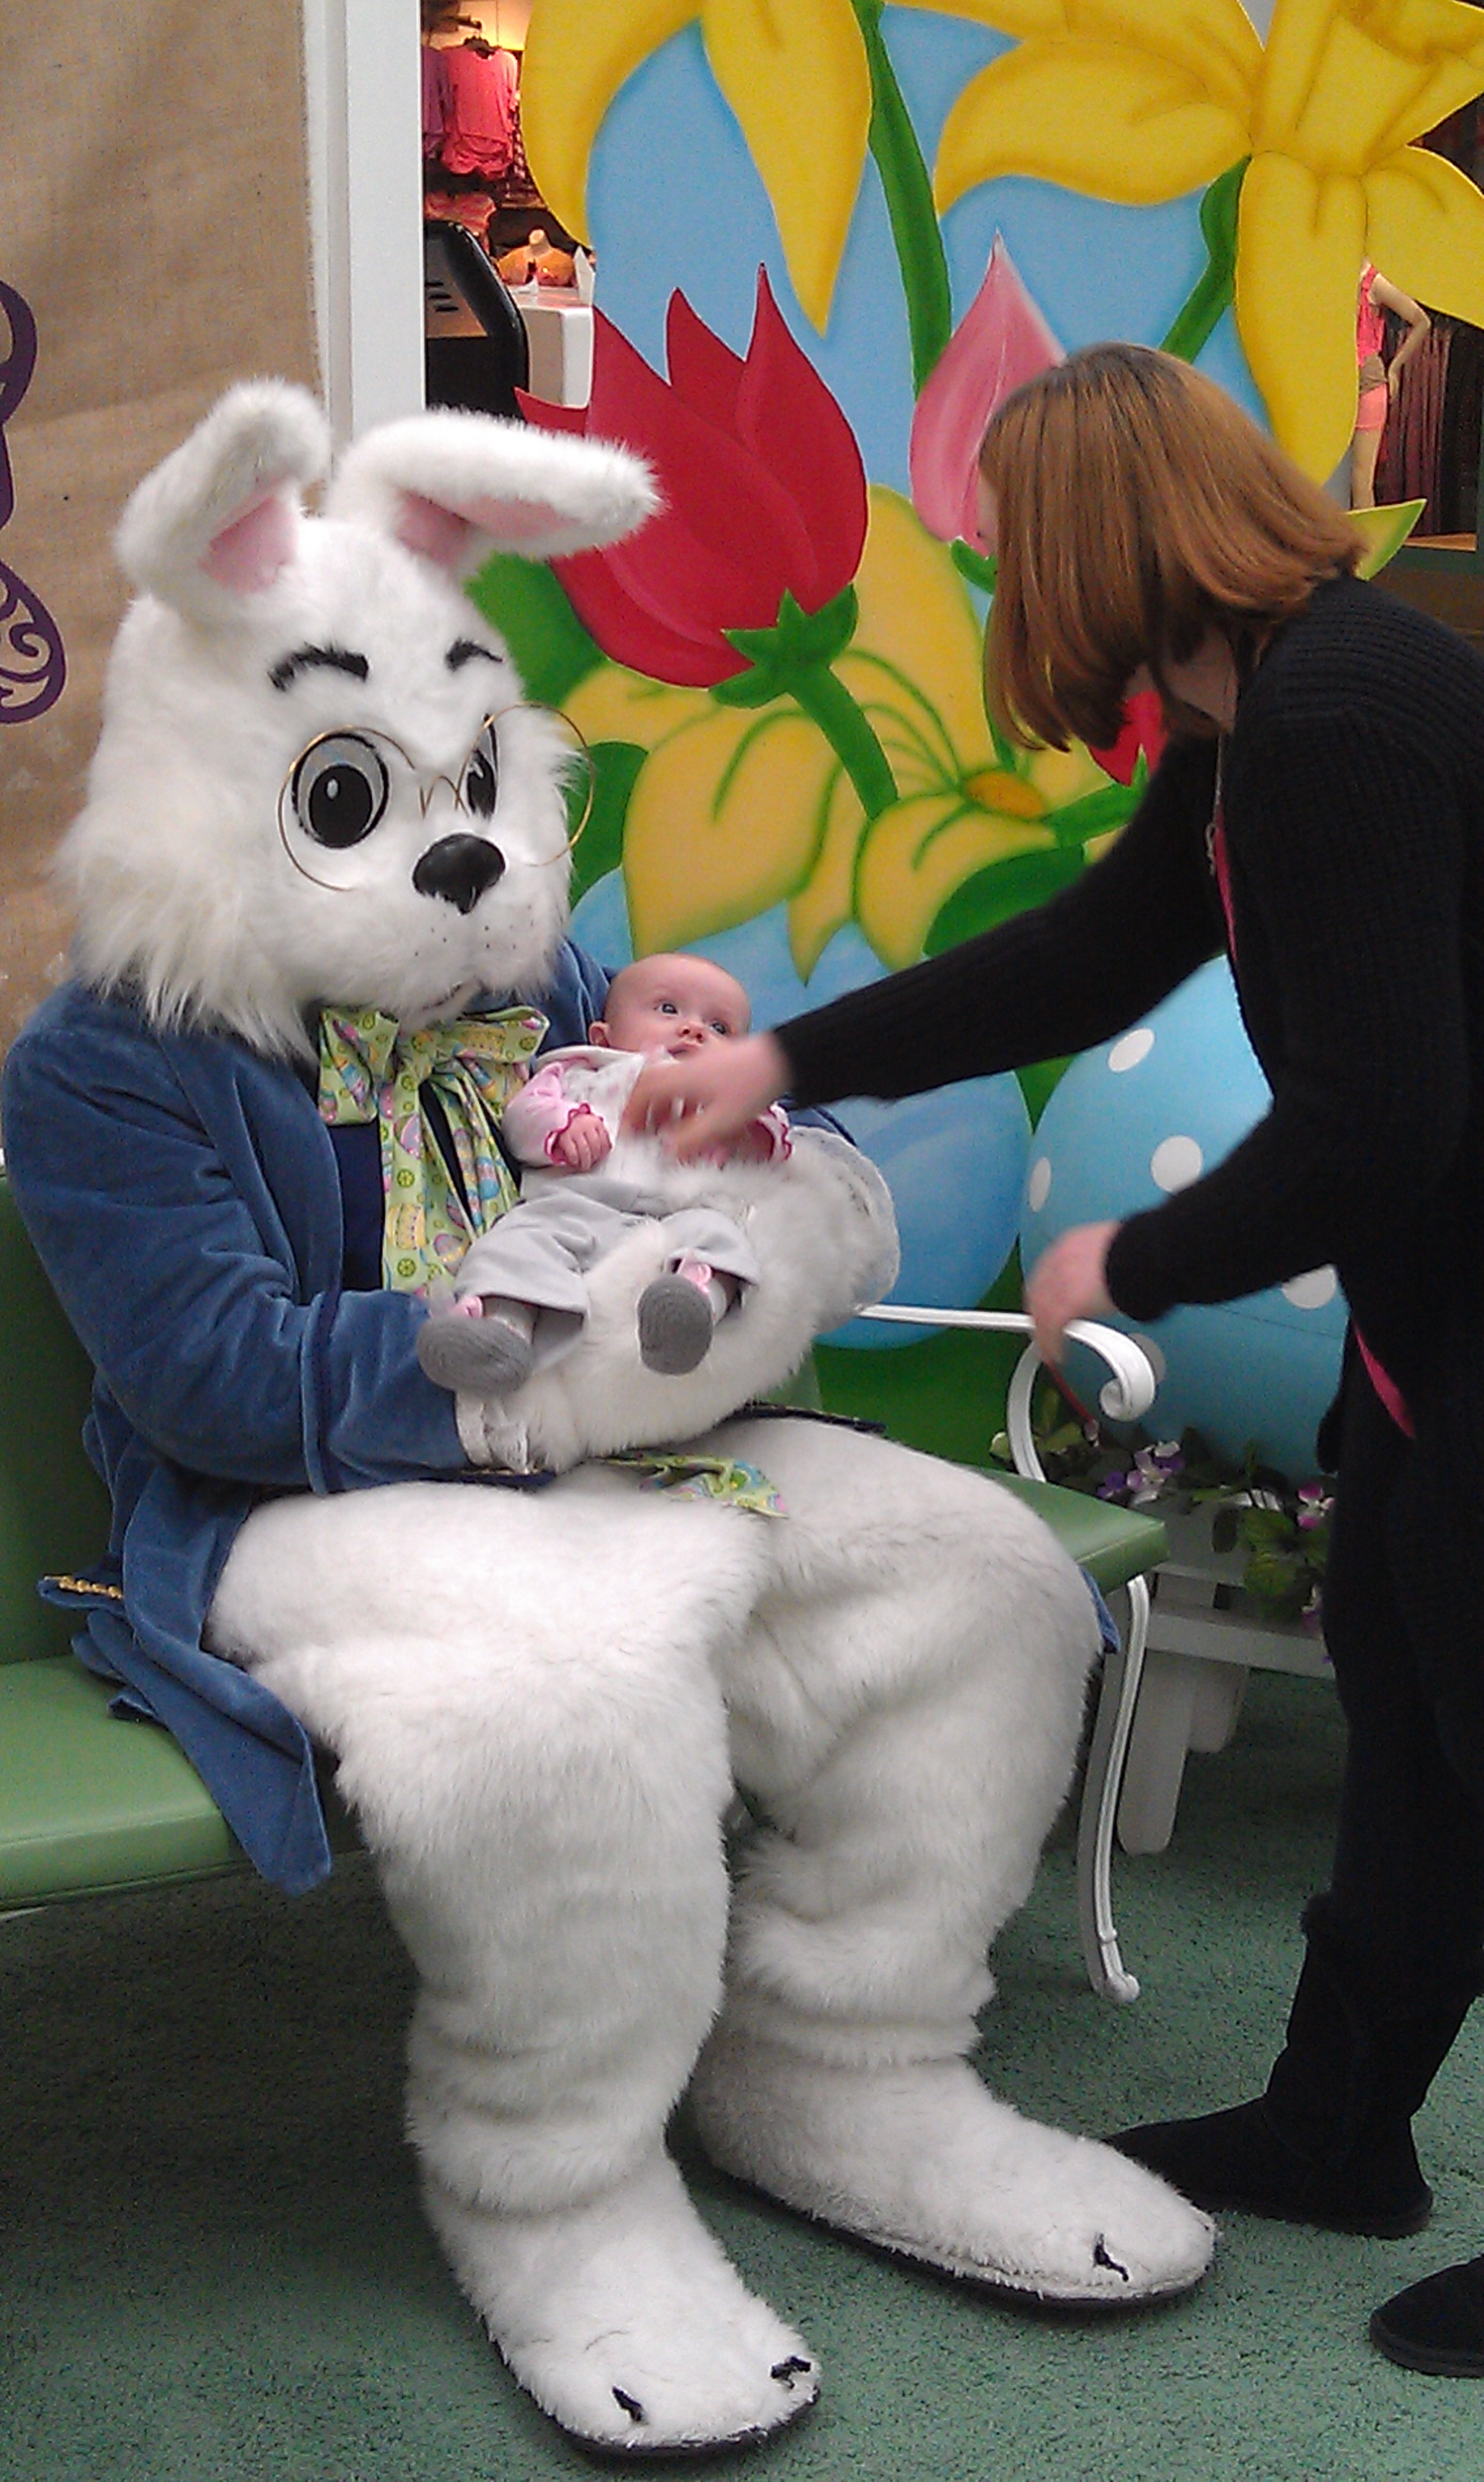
<point x="1175" y="1162"/>
<point x="1039" y="1184"/>
<point x="1311" y="1293"/>
<point x="1156" y="1360"/>
<point x="1131" y="1048"/>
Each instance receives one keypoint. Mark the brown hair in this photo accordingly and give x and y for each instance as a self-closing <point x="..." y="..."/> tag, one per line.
<point x="1139" y="508"/>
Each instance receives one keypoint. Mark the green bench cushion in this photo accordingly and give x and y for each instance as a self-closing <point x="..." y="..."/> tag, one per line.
<point x="1112" y="1543"/>
<point x="89" y="1801"/>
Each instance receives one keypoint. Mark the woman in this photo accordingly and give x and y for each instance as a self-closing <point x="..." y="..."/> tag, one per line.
<point x="1320" y="811"/>
<point x="1376" y="383"/>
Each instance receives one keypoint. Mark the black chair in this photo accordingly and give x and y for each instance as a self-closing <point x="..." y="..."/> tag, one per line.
<point x="475" y="350"/>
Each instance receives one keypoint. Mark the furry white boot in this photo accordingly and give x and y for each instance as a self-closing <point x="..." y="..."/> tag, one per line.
<point x="624" y="2320"/>
<point x="923" y="2161"/>
<point x="906" y="1721"/>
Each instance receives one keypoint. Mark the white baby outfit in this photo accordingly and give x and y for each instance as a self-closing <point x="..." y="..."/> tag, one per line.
<point x="540" y="1252"/>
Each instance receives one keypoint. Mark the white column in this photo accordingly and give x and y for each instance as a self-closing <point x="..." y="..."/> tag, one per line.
<point x="363" y="98"/>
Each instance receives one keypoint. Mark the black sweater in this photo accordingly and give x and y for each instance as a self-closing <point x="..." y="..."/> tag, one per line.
<point x="1354" y="819"/>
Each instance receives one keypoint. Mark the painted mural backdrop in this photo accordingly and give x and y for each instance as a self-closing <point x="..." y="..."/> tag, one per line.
<point x="830" y="236"/>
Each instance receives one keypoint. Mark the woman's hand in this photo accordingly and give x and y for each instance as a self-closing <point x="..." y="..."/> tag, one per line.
<point x="704" y="1103"/>
<point x="1068" y="1282"/>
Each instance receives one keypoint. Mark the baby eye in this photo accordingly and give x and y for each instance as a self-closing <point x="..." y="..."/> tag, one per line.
<point x="339" y="789"/>
<point x="666" y="1008"/>
<point x="480" y="784"/>
<point x="720" y="1025"/>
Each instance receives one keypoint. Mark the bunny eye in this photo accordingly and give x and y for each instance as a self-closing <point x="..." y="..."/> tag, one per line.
<point x="339" y="789"/>
<point x="480" y="785"/>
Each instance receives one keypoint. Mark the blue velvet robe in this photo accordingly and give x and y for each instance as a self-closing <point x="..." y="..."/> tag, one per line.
<point x="184" y="1197"/>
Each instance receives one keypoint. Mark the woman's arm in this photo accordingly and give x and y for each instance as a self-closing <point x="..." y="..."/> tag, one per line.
<point x="1348" y="878"/>
<point x="1401" y="306"/>
<point x="1048" y="982"/>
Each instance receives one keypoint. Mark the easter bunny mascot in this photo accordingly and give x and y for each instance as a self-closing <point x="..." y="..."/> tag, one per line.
<point x="323" y="852"/>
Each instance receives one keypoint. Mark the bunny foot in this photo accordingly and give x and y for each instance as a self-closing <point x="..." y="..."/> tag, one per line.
<point x="923" y="2161"/>
<point x="626" y="2322"/>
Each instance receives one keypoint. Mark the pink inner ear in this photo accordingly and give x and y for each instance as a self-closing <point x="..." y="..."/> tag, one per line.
<point x="518" y="522"/>
<point x="249" y="553"/>
<point x="432" y="532"/>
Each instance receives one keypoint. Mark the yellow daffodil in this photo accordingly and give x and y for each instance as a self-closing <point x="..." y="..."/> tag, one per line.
<point x="1141" y="100"/>
<point x="736" y="810"/>
<point x="793" y="72"/>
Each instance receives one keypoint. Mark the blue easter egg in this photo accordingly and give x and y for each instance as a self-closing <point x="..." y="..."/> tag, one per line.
<point x="1129" y="1125"/>
<point x="954" y="1159"/>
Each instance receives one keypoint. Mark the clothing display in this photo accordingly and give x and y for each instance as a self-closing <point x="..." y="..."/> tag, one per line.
<point x="471" y="118"/>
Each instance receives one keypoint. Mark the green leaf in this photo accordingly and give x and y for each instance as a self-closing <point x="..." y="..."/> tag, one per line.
<point x="1262" y="1526"/>
<point x="980" y="567"/>
<point x="1386" y="530"/>
<point x="1096" y="815"/>
<point x="801" y="639"/>
<point x="1002" y="889"/>
<point x="529" y="607"/>
<point x="599" y="849"/>
<point x="757" y="687"/>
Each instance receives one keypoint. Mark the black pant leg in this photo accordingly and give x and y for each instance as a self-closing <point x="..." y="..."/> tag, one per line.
<point x="1404" y="1623"/>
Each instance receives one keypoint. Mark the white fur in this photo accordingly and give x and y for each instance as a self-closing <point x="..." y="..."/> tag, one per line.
<point x="184" y="885"/>
<point x="512" y="484"/>
<point x="538" y="1704"/>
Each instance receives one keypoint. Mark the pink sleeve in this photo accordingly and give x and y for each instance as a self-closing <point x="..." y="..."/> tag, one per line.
<point x="538" y="1114"/>
<point x="775" y="1140"/>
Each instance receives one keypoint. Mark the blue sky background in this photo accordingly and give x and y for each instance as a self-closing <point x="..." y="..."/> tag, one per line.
<point x="675" y="202"/>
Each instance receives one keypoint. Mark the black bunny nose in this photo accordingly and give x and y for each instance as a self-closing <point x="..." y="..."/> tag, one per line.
<point x="458" y="869"/>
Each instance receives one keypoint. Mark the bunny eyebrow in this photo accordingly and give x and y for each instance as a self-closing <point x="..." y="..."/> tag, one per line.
<point x="336" y="659"/>
<point x="464" y="649"/>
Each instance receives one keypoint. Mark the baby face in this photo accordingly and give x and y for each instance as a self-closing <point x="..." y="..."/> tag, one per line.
<point x="674" y="1005"/>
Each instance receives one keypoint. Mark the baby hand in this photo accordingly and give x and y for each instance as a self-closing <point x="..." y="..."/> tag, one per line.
<point x="582" y="1144"/>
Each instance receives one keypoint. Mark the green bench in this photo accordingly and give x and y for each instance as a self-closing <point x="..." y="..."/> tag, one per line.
<point x="92" y="1803"/>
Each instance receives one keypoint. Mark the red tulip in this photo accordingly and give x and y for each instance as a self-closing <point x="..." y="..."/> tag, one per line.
<point x="765" y="494"/>
<point x="1144" y="730"/>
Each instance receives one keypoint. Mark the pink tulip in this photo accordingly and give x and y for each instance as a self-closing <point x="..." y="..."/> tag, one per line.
<point x="1001" y="342"/>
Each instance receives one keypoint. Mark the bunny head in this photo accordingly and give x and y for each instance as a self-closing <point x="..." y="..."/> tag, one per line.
<point x="317" y="779"/>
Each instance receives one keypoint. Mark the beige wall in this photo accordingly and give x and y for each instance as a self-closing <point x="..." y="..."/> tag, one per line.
<point x="154" y="213"/>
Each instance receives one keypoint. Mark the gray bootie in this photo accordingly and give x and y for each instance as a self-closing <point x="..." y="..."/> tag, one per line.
<point x="675" y="1325"/>
<point x="482" y="1357"/>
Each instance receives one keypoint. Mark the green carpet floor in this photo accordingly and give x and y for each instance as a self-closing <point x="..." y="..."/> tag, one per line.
<point x="213" y="2268"/>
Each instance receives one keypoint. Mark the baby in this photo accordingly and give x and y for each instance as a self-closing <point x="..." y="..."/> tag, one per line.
<point x="521" y="1297"/>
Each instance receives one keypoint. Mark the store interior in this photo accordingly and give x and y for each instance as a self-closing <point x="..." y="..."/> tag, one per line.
<point x="507" y="291"/>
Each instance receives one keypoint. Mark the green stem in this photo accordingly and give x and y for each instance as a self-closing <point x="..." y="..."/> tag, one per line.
<point x="909" y="203"/>
<point x="828" y="703"/>
<point x="1215" y="289"/>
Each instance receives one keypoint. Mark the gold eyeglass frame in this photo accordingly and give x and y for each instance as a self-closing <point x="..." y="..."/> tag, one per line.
<point x="428" y="787"/>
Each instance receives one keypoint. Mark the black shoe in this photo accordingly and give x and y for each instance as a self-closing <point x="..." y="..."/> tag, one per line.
<point x="1437" y="2325"/>
<point x="1236" y="2162"/>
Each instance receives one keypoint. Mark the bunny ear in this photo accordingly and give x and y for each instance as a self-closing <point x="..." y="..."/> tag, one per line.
<point x="453" y="487"/>
<point x="218" y="521"/>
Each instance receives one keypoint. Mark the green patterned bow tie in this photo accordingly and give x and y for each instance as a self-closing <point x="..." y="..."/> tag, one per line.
<point x="370" y="1070"/>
